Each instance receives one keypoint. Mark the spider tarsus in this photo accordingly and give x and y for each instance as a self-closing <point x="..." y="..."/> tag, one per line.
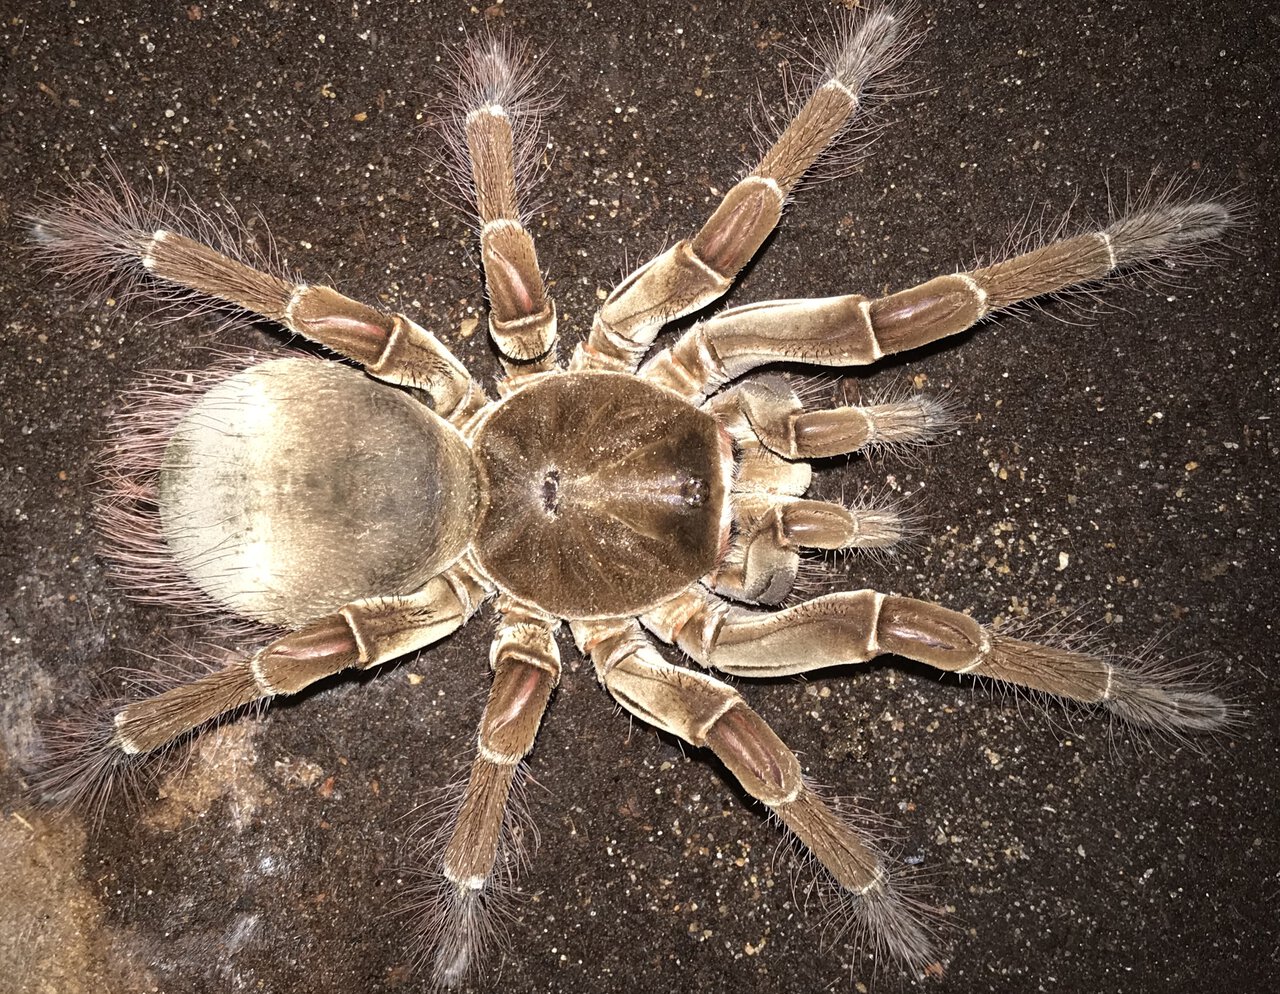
<point x="863" y="55"/>
<point x="111" y="745"/>
<point x="866" y="47"/>
<point x="1167" y="699"/>
<point x="96" y="235"/>
<point x="462" y="931"/>
<point x="1170" y="700"/>
<point x="80" y="763"/>
<point x="1160" y="230"/>
<point x="497" y="70"/>
<point x="909" y="420"/>
<point x="458" y="921"/>
<point x="1165" y="228"/>
<point x="894" y="923"/>
<point x="880" y="526"/>
<point x="855" y="891"/>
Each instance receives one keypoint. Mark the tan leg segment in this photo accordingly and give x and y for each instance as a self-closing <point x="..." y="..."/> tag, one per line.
<point x="761" y="568"/>
<point x="856" y="626"/>
<point x="707" y="712"/>
<point x="389" y="346"/>
<point x="854" y="330"/>
<point x="774" y="415"/>
<point x="760" y="469"/>
<point x="362" y="634"/>
<point x="526" y="668"/>
<point x="697" y="270"/>
<point x="522" y="320"/>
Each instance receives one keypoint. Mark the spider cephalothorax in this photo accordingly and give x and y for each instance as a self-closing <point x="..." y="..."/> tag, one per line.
<point x="363" y="517"/>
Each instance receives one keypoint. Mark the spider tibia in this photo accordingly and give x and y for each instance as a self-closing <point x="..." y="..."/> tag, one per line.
<point x="195" y="266"/>
<point x="521" y="318"/>
<point x="322" y="314"/>
<point x="752" y="751"/>
<point x="464" y="906"/>
<point x="490" y="129"/>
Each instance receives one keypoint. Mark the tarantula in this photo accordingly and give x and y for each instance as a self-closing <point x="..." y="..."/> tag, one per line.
<point x="359" y="516"/>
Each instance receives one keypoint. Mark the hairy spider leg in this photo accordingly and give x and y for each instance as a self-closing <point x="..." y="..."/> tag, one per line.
<point x="763" y="563"/>
<point x="708" y="712"/>
<point x="772" y="520"/>
<point x="480" y="859"/>
<point x="695" y="271"/>
<point x="853" y="330"/>
<point x="494" y="128"/>
<point x="361" y="634"/>
<point x="106" y="233"/>
<point x="768" y="410"/>
<point x="856" y="626"/>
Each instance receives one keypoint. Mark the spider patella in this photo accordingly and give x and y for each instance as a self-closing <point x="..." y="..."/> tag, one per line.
<point x="662" y="500"/>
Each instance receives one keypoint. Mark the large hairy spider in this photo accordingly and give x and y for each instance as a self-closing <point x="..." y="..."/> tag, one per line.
<point x="360" y="516"/>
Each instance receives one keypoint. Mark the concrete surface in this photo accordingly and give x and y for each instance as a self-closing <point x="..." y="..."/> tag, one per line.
<point x="1122" y="467"/>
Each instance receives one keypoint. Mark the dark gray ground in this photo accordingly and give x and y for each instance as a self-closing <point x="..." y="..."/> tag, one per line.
<point x="1122" y="467"/>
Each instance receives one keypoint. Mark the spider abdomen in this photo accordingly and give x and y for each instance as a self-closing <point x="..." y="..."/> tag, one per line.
<point x="606" y="494"/>
<point x="296" y="486"/>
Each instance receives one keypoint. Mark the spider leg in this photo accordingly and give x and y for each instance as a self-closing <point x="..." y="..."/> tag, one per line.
<point x="771" y="523"/>
<point x="855" y="626"/>
<point x="361" y="634"/>
<point x="761" y="566"/>
<point x="707" y="712"/>
<point x="457" y="920"/>
<point x="853" y="330"/>
<point x="761" y="468"/>
<point x="106" y="234"/>
<point x="768" y="411"/>
<point x="495" y="126"/>
<point x="695" y="271"/>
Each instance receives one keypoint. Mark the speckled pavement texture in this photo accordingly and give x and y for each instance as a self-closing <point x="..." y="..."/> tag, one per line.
<point x="1122" y="467"/>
